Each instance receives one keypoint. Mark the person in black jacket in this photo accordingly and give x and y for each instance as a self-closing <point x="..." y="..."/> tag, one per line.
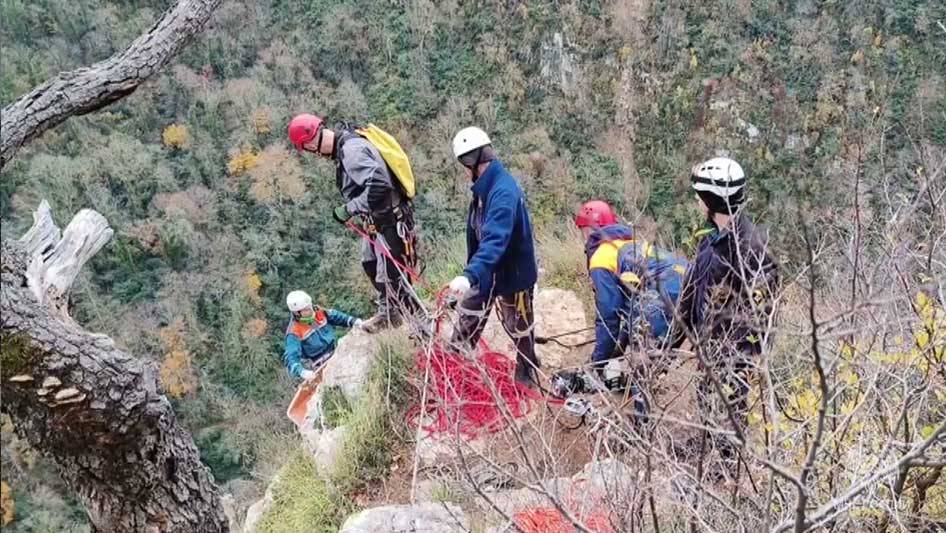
<point x="501" y="263"/>
<point x="725" y="304"/>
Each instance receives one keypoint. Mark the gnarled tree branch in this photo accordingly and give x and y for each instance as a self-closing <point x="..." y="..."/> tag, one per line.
<point x="93" y="409"/>
<point x="87" y="89"/>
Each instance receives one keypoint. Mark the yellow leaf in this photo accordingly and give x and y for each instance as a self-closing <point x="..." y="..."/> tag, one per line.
<point x="754" y="419"/>
<point x="847" y="351"/>
<point x="927" y="432"/>
<point x="242" y="161"/>
<point x="851" y="377"/>
<point x="693" y="61"/>
<point x="175" y="136"/>
<point x="253" y="284"/>
<point x="922" y="338"/>
<point x="848" y="407"/>
<point x="922" y="301"/>
<point x="7" y="505"/>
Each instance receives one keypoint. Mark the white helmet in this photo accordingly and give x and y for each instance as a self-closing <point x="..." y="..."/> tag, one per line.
<point x="298" y="300"/>
<point x="719" y="176"/>
<point x="469" y="139"/>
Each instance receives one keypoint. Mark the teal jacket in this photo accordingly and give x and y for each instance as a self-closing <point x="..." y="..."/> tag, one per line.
<point x="314" y="341"/>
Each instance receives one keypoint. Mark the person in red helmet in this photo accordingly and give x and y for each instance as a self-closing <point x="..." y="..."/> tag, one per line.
<point x="636" y="285"/>
<point x="372" y="192"/>
<point x="594" y="214"/>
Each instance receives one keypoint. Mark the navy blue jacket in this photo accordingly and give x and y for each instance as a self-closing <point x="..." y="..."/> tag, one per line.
<point x="500" y="248"/>
<point x="633" y="281"/>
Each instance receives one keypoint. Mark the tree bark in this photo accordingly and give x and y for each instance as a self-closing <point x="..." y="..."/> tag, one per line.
<point x="93" y="409"/>
<point x="87" y="89"/>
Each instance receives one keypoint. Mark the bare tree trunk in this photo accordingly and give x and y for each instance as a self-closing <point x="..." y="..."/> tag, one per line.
<point x="91" y="407"/>
<point x="87" y="89"/>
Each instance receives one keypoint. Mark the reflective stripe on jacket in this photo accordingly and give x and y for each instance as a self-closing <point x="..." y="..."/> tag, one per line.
<point x="312" y="341"/>
<point x="632" y="280"/>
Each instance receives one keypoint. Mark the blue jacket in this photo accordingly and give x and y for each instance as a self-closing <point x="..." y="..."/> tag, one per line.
<point x="312" y="341"/>
<point x="632" y="280"/>
<point x="500" y="249"/>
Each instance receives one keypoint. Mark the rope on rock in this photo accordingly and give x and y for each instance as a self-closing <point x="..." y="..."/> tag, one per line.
<point x="465" y="395"/>
<point x="551" y="520"/>
<point x="469" y="396"/>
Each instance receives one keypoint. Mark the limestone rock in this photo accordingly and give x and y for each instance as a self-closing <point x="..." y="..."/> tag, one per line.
<point x="420" y="518"/>
<point x="325" y="447"/>
<point x="348" y="369"/>
<point x="584" y="492"/>
<point x="258" y="509"/>
<point x="557" y="311"/>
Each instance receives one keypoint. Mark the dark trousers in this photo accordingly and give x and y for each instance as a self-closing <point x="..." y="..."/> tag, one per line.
<point x="518" y="319"/>
<point x="396" y="293"/>
<point x="733" y="364"/>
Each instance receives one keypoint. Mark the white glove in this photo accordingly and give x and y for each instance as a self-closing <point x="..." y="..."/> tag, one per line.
<point x="308" y="375"/>
<point x="460" y="285"/>
<point x="359" y="323"/>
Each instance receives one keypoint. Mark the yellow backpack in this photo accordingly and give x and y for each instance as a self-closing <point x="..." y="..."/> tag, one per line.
<point x="393" y="155"/>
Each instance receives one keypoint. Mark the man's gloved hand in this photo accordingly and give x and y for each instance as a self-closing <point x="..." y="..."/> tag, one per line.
<point x="341" y="214"/>
<point x="459" y="286"/>
<point x="308" y="375"/>
<point x="359" y="323"/>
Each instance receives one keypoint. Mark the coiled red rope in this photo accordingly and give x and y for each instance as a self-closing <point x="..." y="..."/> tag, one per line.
<point x="468" y="396"/>
<point x="463" y="395"/>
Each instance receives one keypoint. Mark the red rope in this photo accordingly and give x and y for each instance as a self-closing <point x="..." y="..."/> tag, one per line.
<point x="460" y="396"/>
<point x="467" y="395"/>
<point x="551" y="520"/>
<point x="415" y="277"/>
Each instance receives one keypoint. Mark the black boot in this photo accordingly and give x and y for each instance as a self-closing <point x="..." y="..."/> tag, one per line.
<point x="525" y="374"/>
<point x="526" y="370"/>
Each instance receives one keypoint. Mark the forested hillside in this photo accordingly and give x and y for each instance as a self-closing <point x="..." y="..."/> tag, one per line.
<point x="831" y="107"/>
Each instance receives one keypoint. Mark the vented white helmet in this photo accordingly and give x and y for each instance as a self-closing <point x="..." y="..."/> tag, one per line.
<point x="469" y="139"/>
<point x="720" y="176"/>
<point x="298" y="300"/>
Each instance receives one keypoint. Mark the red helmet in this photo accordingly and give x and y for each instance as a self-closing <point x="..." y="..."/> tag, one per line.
<point x="595" y="213"/>
<point x="303" y="128"/>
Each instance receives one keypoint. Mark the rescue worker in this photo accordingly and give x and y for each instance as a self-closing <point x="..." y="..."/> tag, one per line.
<point x="310" y="338"/>
<point x="636" y="284"/>
<point x="501" y="266"/>
<point x="725" y="304"/>
<point x="370" y="191"/>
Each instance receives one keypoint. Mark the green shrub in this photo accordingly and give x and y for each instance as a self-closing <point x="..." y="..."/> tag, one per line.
<point x="302" y="499"/>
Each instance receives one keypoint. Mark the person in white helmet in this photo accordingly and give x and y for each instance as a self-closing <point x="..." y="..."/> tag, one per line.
<point x="725" y="303"/>
<point x="501" y="265"/>
<point x="310" y="338"/>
